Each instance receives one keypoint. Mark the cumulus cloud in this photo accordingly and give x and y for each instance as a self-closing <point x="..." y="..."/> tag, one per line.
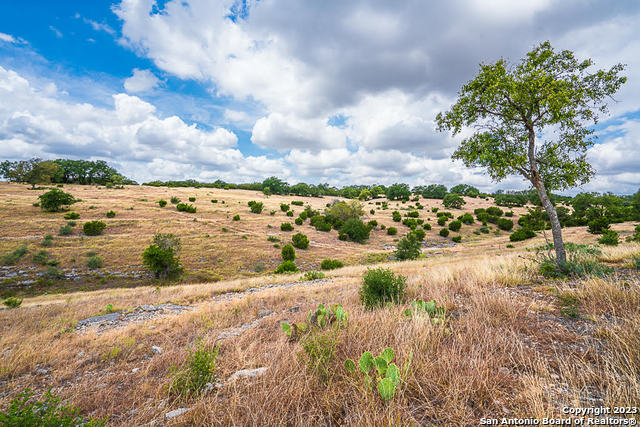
<point x="141" y="81"/>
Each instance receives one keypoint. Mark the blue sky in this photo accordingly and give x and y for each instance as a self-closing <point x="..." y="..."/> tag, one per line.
<point x="240" y="90"/>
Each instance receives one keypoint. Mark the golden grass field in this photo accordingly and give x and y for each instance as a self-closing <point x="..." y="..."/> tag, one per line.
<point x="507" y="348"/>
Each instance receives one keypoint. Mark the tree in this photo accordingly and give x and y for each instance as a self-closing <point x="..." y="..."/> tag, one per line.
<point x="454" y="201"/>
<point x="41" y="173"/>
<point x="408" y="247"/>
<point x="161" y="256"/>
<point x="398" y="192"/>
<point x="345" y="211"/>
<point x="434" y="191"/>
<point x="511" y="105"/>
<point x="54" y="199"/>
<point x="33" y="171"/>
<point x="274" y="185"/>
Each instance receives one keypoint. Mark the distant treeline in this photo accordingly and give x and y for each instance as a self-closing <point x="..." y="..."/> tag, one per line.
<point x="62" y="171"/>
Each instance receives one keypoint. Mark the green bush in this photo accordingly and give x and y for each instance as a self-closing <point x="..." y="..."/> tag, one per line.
<point x="161" y="256"/>
<point x="65" y="230"/>
<point x="290" y="214"/>
<point x="331" y="264"/>
<point x="287" y="267"/>
<point x="162" y="203"/>
<point x="442" y="220"/>
<point x="444" y="232"/>
<point x="185" y="207"/>
<point x="47" y="241"/>
<point x="198" y="370"/>
<point x="323" y="226"/>
<point x="284" y="207"/>
<point x="11" y="302"/>
<point x="313" y="275"/>
<point x="372" y="224"/>
<point x="95" y="262"/>
<point x="93" y="228"/>
<point x="426" y="226"/>
<point x="410" y="222"/>
<point x="356" y="230"/>
<point x="408" y="247"/>
<point x="419" y="233"/>
<point x="457" y="239"/>
<point x="256" y="207"/>
<point x="413" y="214"/>
<point x="298" y="221"/>
<point x="41" y="257"/>
<point x="110" y="214"/>
<point x="175" y="200"/>
<point x="214" y="200"/>
<point x="598" y="225"/>
<point x="319" y="349"/>
<point x="286" y="226"/>
<point x="522" y="234"/>
<point x="52" y="273"/>
<point x="508" y="214"/>
<point x="16" y="255"/>
<point x="192" y="199"/>
<point x="454" y="201"/>
<point x="505" y="224"/>
<point x="494" y="210"/>
<point x="392" y="231"/>
<point x="396" y="216"/>
<point x="288" y="253"/>
<point x="455" y="225"/>
<point x="582" y="261"/>
<point x="23" y="411"/>
<point x="236" y="217"/>
<point x="300" y="241"/>
<point x="297" y="202"/>
<point x="466" y="219"/>
<point x="54" y="199"/>
<point x="381" y="286"/>
<point x="609" y="238"/>
<point x="71" y="215"/>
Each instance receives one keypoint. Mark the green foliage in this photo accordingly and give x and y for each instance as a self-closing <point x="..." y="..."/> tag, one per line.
<point x="93" y="228"/>
<point x="381" y="286"/>
<point x="290" y="213"/>
<point x="331" y="264"/>
<point x="372" y="224"/>
<point x="286" y="226"/>
<point x="41" y="257"/>
<point x="284" y="207"/>
<point x="12" y="302"/>
<point x="598" y="225"/>
<point x="186" y="207"/>
<point x="23" y="411"/>
<point x="313" y="275"/>
<point x="162" y="203"/>
<point x="297" y="202"/>
<point x="467" y="218"/>
<point x="300" y="241"/>
<point x="175" y="200"/>
<point x="54" y="200"/>
<point x="457" y="239"/>
<point x="236" y="218"/>
<point x="111" y="214"/>
<point x="408" y="247"/>
<point x="396" y="216"/>
<point x="444" y="232"/>
<point x="161" y="256"/>
<point x="582" y="261"/>
<point x="95" y="261"/>
<point x="505" y="224"/>
<point x="427" y="309"/>
<point x="419" y="234"/>
<point x="256" y="207"/>
<point x="510" y="200"/>
<point x="442" y="220"/>
<point x="199" y="368"/>
<point x="356" y="230"/>
<point x="398" y="192"/>
<point x="65" y="230"/>
<point x="288" y="253"/>
<point x="319" y="349"/>
<point x="47" y="241"/>
<point x="16" y="255"/>
<point x="386" y="375"/>
<point x="71" y="215"/>
<point x="494" y="210"/>
<point x="453" y="201"/>
<point x="287" y="267"/>
<point x="410" y="222"/>
<point x="433" y="191"/>
<point x="609" y="238"/>
<point x="455" y="225"/>
<point x="522" y="233"/>
<point x="345" y="211"/>
<point x="426" y="226"/>
<point x="192" y="199"/>
<point x="413" y="214"/>
<point x="392" y="231"/>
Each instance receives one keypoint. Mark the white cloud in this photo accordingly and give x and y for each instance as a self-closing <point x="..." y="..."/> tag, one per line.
<point x="57" y="32"/>
<point x="290" y="132"/>
<point x="141" y="81"/>
<point x="7" y="38"/>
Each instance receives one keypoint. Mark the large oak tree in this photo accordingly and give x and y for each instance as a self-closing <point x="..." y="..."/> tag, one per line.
<point x="533" y="118"/>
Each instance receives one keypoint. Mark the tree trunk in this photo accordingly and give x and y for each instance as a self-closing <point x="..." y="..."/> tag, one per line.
<point x="556" y="229"/>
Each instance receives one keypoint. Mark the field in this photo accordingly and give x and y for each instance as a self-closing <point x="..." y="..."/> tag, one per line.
<point x="512" y="343"/>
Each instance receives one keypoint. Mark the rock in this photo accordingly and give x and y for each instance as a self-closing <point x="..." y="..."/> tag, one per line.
<point x="264" y="313"/>
<point x="175" y="413"/>
<point x="42" y="371"/>
<point x="247" y="373"/>
<point x="156" y="349"/>
<point x="294" y="309"/>
<point x="98" y="319"/>
<point x="134" y="370"/>
<point x="80" y="354"/>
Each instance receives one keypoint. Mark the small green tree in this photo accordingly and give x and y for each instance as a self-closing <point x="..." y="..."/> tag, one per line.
<point x="510" y="106"/>
<point x="453" y="201"/>
<point x="408" y="247"/>
<point x="288" y="253"/>
<point x="54" y="199"/>
<point x="161" y="256"/>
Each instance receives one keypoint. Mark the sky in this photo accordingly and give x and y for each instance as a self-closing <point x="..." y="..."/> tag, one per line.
<point x="324" y="91"/>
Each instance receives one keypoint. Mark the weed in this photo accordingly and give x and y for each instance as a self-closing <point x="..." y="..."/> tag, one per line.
<point x="198" y="370"/>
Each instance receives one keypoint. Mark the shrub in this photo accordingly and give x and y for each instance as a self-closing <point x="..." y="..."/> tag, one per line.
<point x="493" y="219"/>
<point x="41" y="257"/>
<point x="161" y="256"/>
<point x="23" y="411"/>
<point x="494" y="210"/>
<point x="54" y="199"/>
<point x="508" y="214"/>
<point x="392" y="231"/>
<point x="111" y="214"/>
<point x="71" y="215"/>
<point x="175" y="200"/>
<point x="65" y="230"/>
<point x="466" y="219"/>
<point x="609" y="238"/>
<point x="582" y="261"/>
<point x="162" y="203"/>
<point x="426" y="226"/>
<point x="290" y="213"/>
<point x="452" y="200"/>
<point x="522" y="233"/>
<point x="410" y="222"/>
<point x="319" y="349"/>
<point x="192" y="199"/>
<point x="47" y="241"/>
<point x="236" y="218"/>
<point x="455" y="225"/>
<point x="444" y="232"/>
<point x="396" y="216"/>
<point x="287" y="267"/>
<point x="434" y="210"/>
<point x="442" y="220"/>
<point x="52" y="273"/>
<point x="288" y="253"/>
<point x="331" y="264"/>
<point x="457" y="239"/>
<point x="284" y="207"/>
<point x="93" y="228"/>
<point x="297" y="202"/>
<point x="372" y="211"/>
<point x="419" y="233"/>
<point x="256" y="207"/>
<point x="304" y="215"/>
<point x="11" y="302"/>
<point x="408" y="247"/>
<point x="16" y="255"/>
<point x="95" y="262"/>
<point x="356" y="230"/>
<point x="484" y="229"/>
<point x="505" y="224"/>
<point x="286" y="226"/>
<point x="298" y="221"/>
<point x="185" y="207"/>
<point x="214" y="200"/>
<point x="313" y="275"/>
<point x="198" y="370"/>
<point x="598" y="225"/>
<point x="300" y="241"/>
<point x="413" y="214"/>
<point x="381" y="286"/>
<point x="373" y="223"/>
